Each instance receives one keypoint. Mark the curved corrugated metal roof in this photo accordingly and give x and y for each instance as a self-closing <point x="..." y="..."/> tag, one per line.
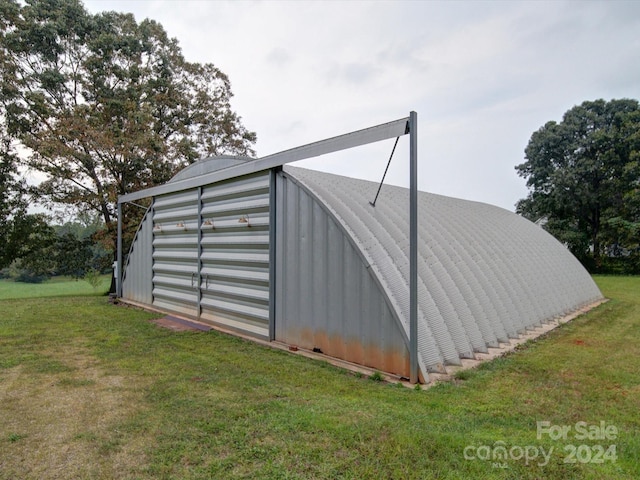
<point x="208" y="165"/>
<point x="485" y="274"/>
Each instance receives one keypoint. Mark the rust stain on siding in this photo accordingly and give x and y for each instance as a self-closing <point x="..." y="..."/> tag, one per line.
<point x="353" y="350"/>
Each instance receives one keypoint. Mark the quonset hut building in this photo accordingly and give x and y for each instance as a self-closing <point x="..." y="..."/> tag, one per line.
<point x="417" y="282"/>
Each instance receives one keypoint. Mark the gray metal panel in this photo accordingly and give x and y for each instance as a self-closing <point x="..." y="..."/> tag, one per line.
<point x="392" y="129"/>
<point x="326" y="297"/>
<point x="485" y="274"/>
<point x="175" y="252"/>
<point x="235" y="254"/>
<point x="208" y="165"/>
<point x="138" y="268"/>
<point x="211" y="253"/>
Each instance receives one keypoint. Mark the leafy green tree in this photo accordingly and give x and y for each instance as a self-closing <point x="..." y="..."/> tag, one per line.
<point x="11" y="204"/>
<point x="72" y="255"/>
<point x="13" y="207"/>
<point x="47" y="250"/>
<point x="36" y="260"/>
<point x="21" y="233"/>
<point x="106" y="105"/>
<point x="77" y="250"/>
<point x="584" y="178"/>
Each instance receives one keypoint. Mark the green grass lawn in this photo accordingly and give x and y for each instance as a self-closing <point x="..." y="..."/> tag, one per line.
<point x="90" y="390"/>
<point x="55" y="287"/>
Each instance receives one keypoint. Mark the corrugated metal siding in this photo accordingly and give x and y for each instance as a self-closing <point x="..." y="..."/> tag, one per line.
<point x="325" y="296"/>
<point x="204" y="253"/>
<point x="235" y="253"/>
<point x="175" y="252"/>
<point x="485" y="274"/>
<point x="211" y="253"/>
<point x="138" y="268"/>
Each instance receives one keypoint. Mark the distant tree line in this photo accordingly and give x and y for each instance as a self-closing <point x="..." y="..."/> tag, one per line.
<point x="72" y="249"/>
<point x="583" y="175"/>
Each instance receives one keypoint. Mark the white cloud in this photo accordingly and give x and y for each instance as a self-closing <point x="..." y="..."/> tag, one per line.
<point x="481" y="75"/>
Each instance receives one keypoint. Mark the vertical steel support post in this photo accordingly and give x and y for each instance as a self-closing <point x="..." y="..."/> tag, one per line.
<point x="199" y="267"/>
<point x="118" y="272"/>
<point x="272" y="253"/>
<point x="413" y="247"/>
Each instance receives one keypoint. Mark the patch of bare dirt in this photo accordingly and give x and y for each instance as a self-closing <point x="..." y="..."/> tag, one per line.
<point x="68" y="425"/>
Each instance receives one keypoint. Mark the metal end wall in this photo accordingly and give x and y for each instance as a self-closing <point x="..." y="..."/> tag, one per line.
<point x="137" y="282"/>
<point x="326" y="297"/>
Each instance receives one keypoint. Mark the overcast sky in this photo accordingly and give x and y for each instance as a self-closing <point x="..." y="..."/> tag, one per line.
<point x="483" y="76"/>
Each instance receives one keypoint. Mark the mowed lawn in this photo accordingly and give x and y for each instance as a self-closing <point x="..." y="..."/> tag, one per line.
<point x="55" y="287"/>
<point x="91" y="390"/>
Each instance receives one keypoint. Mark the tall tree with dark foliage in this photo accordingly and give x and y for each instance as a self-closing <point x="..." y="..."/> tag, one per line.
<point x="583" y="174"/>
<point x="105" y="105"/>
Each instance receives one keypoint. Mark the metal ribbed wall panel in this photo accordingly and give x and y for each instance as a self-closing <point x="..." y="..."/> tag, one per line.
<point x="485" y="274"/>
<point x="234" y="276"/>
<point x="204" y="253"/>
<point x="138" y="286"/>
<point x="325" y="296"/>
<point x="175" y="252"/>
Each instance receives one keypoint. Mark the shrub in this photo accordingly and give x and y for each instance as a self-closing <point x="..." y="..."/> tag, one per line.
<point x="92" y="277"/>
<point x="27" y="276"/>
<point x="23" y="273"/>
